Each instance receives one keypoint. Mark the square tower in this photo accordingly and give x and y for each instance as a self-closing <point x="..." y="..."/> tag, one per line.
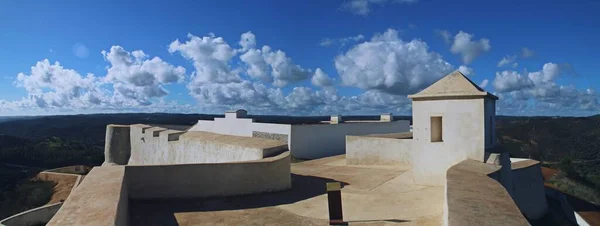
<point x="453" y="120"/>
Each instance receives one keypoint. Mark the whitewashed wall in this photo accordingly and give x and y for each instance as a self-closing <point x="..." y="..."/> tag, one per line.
<point x="463" y="137"/>
<point x="155" y="146"/>
<point x="365" y="150"/>
<point x="308" y="141"/>
<point x="239" y="127"/>
<point x="313" y="141"/>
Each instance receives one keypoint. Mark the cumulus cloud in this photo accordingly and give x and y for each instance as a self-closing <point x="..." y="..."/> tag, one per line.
<point x="363" y="7"/>
<point x="248" y="41"/>
<point x="390" y="65"/>
<point x="211" y="56"/>
<point x="538" y="90"/>
<point x="51" y="85"/>
<point x="483" y="83"/>
<point x="466" y="70"/>
<point x="507" y="60"/>
<point x="242" y="85"/>
<point x="321" y="79"/>
<point x="526" y="52"/>
<point x="468" y="48"/>
<point x="507" y="81"/>
<point x="136" y="77"/>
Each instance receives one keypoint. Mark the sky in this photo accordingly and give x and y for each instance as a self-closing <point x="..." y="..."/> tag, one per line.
<point x="308" y="57"/>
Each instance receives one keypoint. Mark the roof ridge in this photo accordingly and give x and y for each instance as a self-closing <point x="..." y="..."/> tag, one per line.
<point x="455" y="84"/>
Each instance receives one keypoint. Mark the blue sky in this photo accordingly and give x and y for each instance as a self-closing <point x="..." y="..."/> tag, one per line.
<point x="323" y="57"/>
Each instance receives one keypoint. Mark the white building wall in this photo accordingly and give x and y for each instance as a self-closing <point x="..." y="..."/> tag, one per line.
<point x="463" y="137"/>
<point x="239" y="127"/>
<point x="308" y="141"/>
<point x="365" y="150"/>
<point x="313" y="141"/>
<point x="490" y="122"/>
<point x="156" y="146"/>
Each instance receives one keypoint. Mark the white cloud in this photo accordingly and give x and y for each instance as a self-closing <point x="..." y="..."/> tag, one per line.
<point x="507" y="60"/>
<point x="51" y="85"/>
<point x="538" y="91"/>
<point x="326" y="42"/>
<point x="80" y="50"/>
<point x="248" y="41"/>
<point x="210" y="55"/>
<point x="526" y="52"/>
<point x="483" y="83"/>
<point x="389" y="64"/>
<point x="136" y="77"/>
<point x="445" y="34"/>
<point x="469" y="49"/>
<point x="363" y="7"/>
<point x="321" y="79"/>
<point x="341" y="41"/>
<point x="466" y="70"/>
<point x="507" y="81"/>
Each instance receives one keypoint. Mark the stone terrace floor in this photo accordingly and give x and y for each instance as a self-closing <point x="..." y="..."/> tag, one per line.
<point x="370" y="196"/>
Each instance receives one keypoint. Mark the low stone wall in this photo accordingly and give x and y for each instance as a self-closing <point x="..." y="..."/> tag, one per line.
<point x="313" y="141"/>
<point x="528" y="188"/>
<point x="101" y="199"/>
<point x="78" y="169"/>
<point x="162" y="146"/>
<point x="474" y="197"/>
<point x="374" y="150"/>
<point x="209" y="179"/>
<point x="40" y="215"/>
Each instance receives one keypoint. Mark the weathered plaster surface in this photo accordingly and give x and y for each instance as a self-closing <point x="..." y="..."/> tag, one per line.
<point x="463" y="137"/>
<point x="117" y="144"/>
<point x="101" y="199"/>
<point x="39" y="215"/>
<point x="371" y="150"/>
<point x="528" y="188"/>
<point x="474" y="197"/>
<point x="210" y="179"/>
<point x="271" y="136"/>
<point x="314" y="141"/>
<point x="155" y="145"/>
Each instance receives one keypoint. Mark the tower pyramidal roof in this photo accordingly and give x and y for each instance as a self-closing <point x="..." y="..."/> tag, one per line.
<point x="453" y="85"/>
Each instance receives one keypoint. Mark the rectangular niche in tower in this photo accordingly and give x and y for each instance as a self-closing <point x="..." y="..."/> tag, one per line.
<point x="436" y="129"/>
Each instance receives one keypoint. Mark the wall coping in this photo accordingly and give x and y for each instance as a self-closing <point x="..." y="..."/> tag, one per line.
<point x="474" y="198"/>
<point x="27" y="212"/>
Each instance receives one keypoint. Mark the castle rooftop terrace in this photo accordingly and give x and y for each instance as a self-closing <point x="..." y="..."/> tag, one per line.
<point x="388" y="190"/>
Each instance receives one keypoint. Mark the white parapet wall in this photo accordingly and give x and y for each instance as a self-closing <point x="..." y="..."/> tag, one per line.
<point x="37" y="216"/>
<point x="157" y="145"/>
<point x="305" y="141"/>
<point x="379" y="149"/>
<point x="312" y="141"/>
<point x="209" y="179"/>
<point x="528" y="188"/>
<point x="475" y="197"/>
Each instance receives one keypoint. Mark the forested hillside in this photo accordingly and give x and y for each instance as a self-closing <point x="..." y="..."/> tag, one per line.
<point x="568" y="143"/>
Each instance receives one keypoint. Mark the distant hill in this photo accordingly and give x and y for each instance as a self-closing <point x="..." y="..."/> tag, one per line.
<point x="553" y="139"/>
<point x="91" y="128"/>
<point x="548" y="139"/>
